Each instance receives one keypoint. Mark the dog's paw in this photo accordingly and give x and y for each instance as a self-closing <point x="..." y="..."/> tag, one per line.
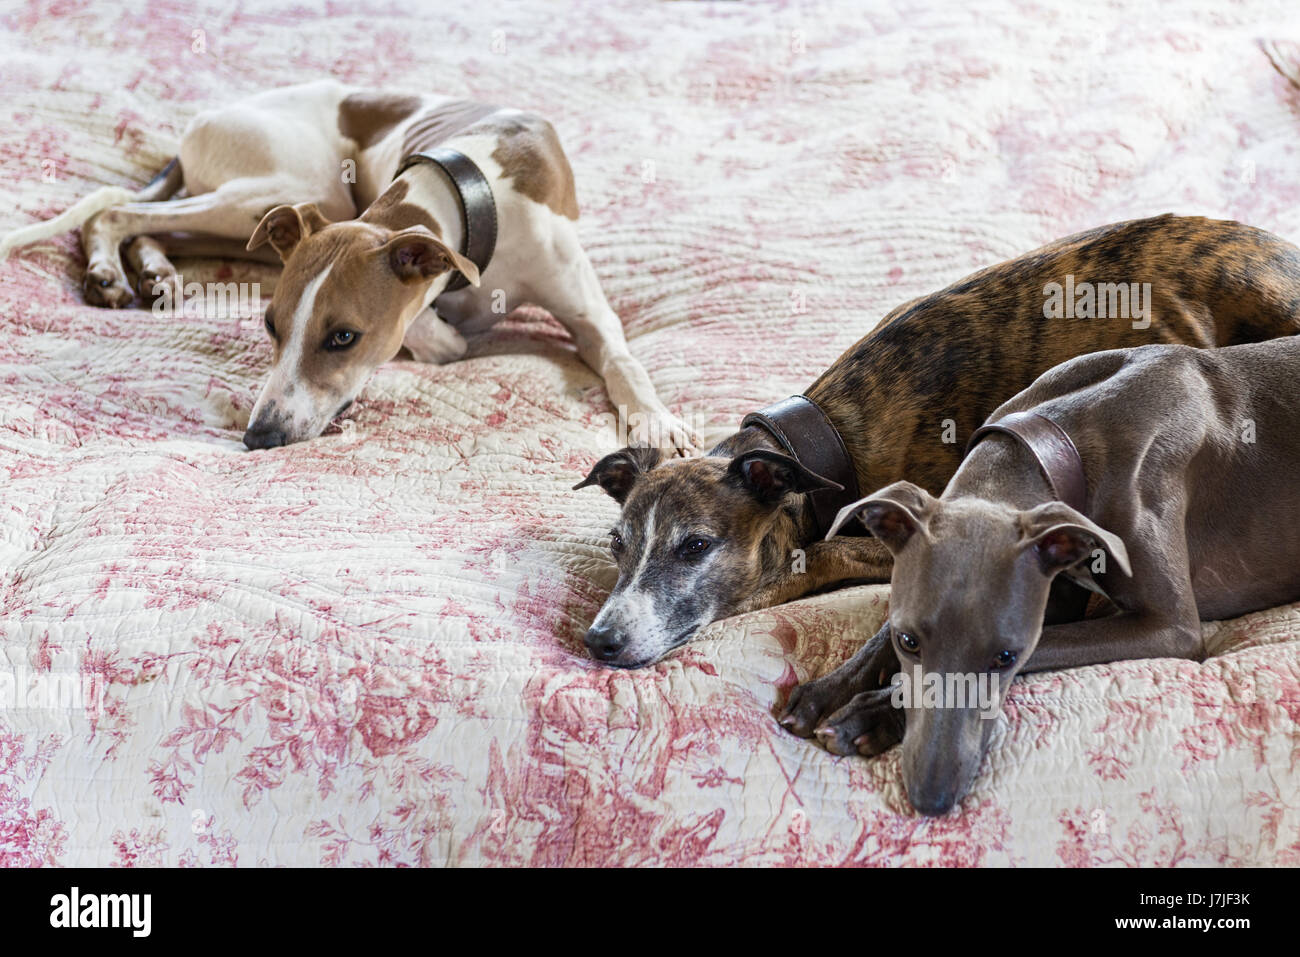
<point x="432" y="340"/>
<point x="104" y="286"/>
<point x="868" y="725"/>
<point x="811" y="701"/>
<point x="662" y="430"/>
<point x="151" y="286"/>
<point x="684" y="439"/>
<point x="156" y="277"/>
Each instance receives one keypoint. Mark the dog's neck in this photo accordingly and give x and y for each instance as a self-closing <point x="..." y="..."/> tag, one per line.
<point x="746" y="440"/>
<point x="797" y="525"/>
<point x="422" y="196"/>
<point x="1001" y="469"/>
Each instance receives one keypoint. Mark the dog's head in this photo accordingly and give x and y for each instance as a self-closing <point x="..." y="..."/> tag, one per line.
<point x="348" y="293"/>
<point x="694" y="539"/>
<point x="970" y="586"/>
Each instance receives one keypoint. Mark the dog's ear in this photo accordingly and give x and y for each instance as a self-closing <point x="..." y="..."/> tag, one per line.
<point x="893" y="515"/>
<point x="769" y="476"/>
<point x="1062" y="537"/>
<point x="416" y="254"/>
<point x="617" y="472"/>
<point x="286" y="226"/>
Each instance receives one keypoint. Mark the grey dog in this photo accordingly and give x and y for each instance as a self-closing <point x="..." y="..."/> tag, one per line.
<point x="1188" y="510"/>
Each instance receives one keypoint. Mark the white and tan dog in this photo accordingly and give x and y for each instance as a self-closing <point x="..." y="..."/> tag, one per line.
<point x="309" y="170"/>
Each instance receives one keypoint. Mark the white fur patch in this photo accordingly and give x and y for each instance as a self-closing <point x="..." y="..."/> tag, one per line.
<point x="286" y="388"/>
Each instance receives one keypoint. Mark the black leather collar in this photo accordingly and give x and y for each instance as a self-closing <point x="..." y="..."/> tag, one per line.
<point x="1052" y="446"/>
<point x="802" y="429"/>
<point x="478" y="210"/>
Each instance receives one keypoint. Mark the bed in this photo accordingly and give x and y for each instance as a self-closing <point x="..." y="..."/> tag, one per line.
<point x="367" y="649"/>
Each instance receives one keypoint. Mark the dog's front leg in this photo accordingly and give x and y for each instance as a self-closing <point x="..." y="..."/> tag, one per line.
<point x="431" y="339"/>
<point x="842" y="561"/>
<point x="601" y="344"/>
<point x="571" y="292"/>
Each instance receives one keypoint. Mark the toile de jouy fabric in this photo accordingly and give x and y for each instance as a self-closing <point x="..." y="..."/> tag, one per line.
<point x="367" y="649"/>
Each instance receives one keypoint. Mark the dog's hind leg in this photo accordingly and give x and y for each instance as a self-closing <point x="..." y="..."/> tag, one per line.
<point x="177" y="245"/>
<point x="149" y="258"/>
<point x="232" y="211"/>
<point x="105" y="282"/>
<point x="146" y="257"/>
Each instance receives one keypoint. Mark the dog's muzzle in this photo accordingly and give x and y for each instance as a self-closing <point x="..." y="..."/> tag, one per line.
<point x="605" y="643"/>
<point x="264" y="437"/>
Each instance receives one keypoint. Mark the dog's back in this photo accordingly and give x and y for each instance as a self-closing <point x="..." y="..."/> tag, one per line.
<point x="1209" y="438"/>
<point x="956" y="354"/>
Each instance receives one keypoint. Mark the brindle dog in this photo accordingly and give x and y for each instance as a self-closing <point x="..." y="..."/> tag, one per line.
<point x="705" y="538"/>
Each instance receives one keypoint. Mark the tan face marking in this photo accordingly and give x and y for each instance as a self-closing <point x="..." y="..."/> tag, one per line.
<point x="361" y="296"/>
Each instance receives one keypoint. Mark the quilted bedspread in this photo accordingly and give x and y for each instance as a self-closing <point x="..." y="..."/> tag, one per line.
<point x="367" y="649"/>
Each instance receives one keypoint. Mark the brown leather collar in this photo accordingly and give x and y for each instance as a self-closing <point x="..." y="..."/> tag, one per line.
<point x="478" y="210"/>
<point x="1051" y="446"/>
<point x="802" y="429"/>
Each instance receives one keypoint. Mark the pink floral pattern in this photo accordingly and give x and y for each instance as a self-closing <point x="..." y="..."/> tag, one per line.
<point x="366" y="650"/>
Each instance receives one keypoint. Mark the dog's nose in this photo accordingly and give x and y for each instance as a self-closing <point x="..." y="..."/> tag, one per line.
<point x="263" y="437"/>
<point x="605" y="643"/>
<point x="933" y="805"/>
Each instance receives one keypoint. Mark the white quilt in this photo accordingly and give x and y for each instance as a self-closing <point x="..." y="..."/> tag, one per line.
<point x="367" y="649"/>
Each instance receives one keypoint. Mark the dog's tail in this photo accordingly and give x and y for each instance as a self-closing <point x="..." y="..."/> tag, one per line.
<point x="161" y="187"/>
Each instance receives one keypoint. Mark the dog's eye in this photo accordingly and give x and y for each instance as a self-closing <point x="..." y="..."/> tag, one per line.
<point x="908" y="642"/>
<point x="270" y="325"/>
<point x="615" y="543"/>
<point x="694" y="546"/>
<point x="341" y="339"/>
<point x="1005" y="659"/>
